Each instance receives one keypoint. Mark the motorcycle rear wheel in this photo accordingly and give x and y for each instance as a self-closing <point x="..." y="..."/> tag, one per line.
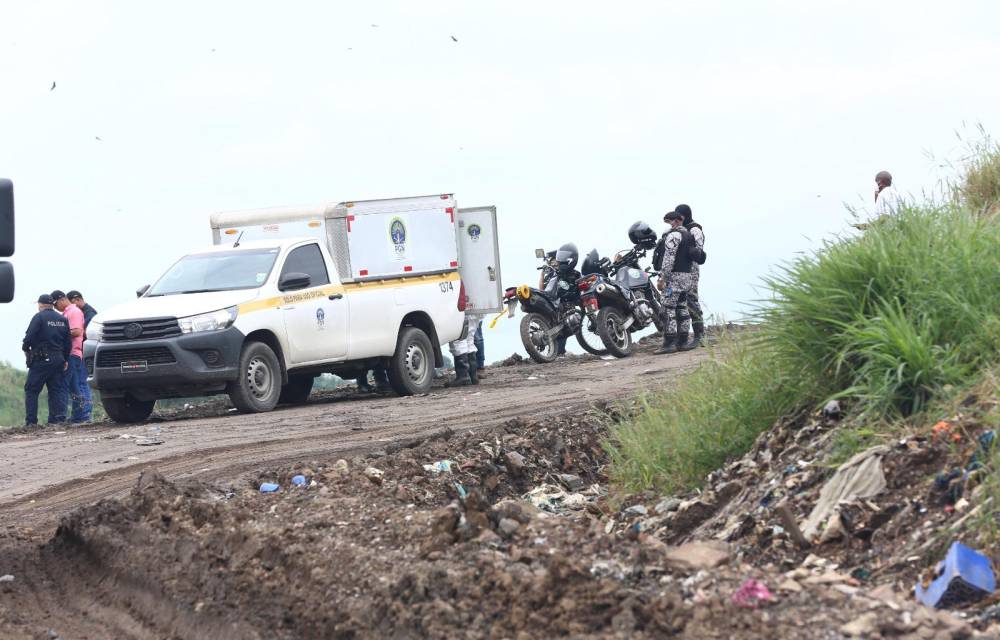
<point x="589" y="339"/>
<point x="610" y="326"/>
<point x="541" y="347"/>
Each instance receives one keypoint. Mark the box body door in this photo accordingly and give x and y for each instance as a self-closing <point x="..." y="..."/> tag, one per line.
<point x="479" y="258"/>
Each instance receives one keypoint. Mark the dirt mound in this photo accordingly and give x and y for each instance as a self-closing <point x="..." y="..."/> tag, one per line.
<point x="504" y="533"/>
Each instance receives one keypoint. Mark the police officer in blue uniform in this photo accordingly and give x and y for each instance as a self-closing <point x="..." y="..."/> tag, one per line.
<point x="46" y="346"/>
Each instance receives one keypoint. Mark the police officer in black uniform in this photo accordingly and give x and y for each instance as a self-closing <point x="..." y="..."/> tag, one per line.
<point x="46" y="346"/>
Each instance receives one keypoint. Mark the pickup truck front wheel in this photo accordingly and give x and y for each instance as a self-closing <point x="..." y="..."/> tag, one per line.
<point x="259" y="385"/>
<point x="411" y="368"/>
<point x="127" y="409"/>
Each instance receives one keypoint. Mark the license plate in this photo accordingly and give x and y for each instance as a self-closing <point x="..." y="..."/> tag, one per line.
<point x="135" y="366"/>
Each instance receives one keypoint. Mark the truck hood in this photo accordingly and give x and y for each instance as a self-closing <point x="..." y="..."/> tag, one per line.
<point x="176" y="306"/>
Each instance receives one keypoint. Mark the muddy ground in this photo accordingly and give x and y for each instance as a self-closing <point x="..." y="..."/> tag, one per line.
<point x="48" y="471"/>
<point x="503" y="533"/>
<point x="480" y="525"/>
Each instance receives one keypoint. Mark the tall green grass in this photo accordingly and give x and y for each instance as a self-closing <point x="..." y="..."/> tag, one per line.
<point x="883" y="320"/>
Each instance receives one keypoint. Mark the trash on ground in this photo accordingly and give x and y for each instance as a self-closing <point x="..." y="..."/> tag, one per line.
<point x="751" y="593"/>
<point x="7" y="578"/>
<point x="859" y="478"/>
<point x="373" y="474"/>
<point x="552" y="498"/>
<point x="697" y="556"/>
<point x="441" y="466"/>
<point x="832" y="409"/>
<point x="268" y="487"/>
<point x="963" y="577"/>
<point x="298" y="480"/>
<point x="148" y="442"/>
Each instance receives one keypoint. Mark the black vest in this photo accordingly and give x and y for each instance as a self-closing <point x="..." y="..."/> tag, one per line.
<point x="682" y="263"/>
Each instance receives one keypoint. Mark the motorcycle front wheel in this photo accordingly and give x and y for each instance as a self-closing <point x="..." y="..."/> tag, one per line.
<point x="539" y="345"/>
<point x="614" y="335"/>
<point x="589" y="339"/>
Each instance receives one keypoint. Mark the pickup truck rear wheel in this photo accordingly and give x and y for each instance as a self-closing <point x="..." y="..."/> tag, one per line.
<point x="411" y="368"/>
<point x="259" y="384"/>
<point x="127" y="409"/>
<point x="297" y="390"/>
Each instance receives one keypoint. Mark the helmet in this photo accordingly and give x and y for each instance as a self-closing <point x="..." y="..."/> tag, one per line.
<point x="567" y="256"/>
<point x="641" y="234"/>
<point x="591" y="263"/>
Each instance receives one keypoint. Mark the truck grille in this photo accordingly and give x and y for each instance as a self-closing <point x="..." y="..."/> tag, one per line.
<point x="113" y="358"/>
<point x="141" y="329"/>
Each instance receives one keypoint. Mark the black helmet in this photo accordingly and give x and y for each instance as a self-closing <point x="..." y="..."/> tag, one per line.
<point x="591" y="263"/>
<point x="567" y="256"/>
<point x="641" y="234"/>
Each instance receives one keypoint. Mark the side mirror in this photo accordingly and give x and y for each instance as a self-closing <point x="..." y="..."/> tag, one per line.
<point x="6" y="282"/>
<point x="141" y="291"/>
<point x="539" y="253"/>
<point x="292" y="281"/>
<point x="6" y="239"/>
<point x="6" y="218"/>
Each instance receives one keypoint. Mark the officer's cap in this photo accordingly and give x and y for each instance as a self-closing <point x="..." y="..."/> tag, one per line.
<point x="45" y="299"/>
<point x="74" y="295"/>
<point x="57" y="295"/>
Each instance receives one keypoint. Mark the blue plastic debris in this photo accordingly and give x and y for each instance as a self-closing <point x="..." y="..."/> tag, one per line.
<point x="299" y="480"/>
<point x="268" y="487"/>
<point x="462" y="493"/>
<point x="964" y="576"/>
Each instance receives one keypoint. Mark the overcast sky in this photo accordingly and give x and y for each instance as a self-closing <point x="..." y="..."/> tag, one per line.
<point x="574" y="118"/>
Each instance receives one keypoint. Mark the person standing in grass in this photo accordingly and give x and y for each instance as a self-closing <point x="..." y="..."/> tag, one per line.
<point x="675" y="281"/>
<point x="887" y="200"/>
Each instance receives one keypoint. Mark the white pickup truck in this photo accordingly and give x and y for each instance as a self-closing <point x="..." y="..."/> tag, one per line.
<point x="286" y="294"/>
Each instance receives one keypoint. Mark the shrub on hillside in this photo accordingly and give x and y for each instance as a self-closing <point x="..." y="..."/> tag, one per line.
<point x="885" y="319"/>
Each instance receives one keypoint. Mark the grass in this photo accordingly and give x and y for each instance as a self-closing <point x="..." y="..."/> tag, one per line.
<point x="885" y="321"/>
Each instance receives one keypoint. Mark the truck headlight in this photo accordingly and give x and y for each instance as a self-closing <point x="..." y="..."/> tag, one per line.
<point x="213" y="321"/>
<point x="95" y="331"/>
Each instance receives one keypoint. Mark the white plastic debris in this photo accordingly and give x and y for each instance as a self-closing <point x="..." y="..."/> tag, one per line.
<point x="441" y="466"/>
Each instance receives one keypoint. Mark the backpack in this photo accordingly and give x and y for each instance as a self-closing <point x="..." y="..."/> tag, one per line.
<point x="659" y="251"/>
<point x="696" y="253"/>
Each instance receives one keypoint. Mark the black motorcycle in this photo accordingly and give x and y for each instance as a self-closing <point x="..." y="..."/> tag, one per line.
<point x="553" y="313"/>
<point x="618" y="296"/>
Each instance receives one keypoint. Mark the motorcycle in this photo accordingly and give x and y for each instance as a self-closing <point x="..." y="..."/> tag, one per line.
<point x="553" y="313"/>
<point x="619" y="297"/>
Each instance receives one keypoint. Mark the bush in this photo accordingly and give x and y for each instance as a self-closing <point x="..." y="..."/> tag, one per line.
<point x="706" y="417"/>
<point x="883" y="320"/>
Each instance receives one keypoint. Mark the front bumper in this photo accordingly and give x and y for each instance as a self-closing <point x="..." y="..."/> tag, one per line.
<point x="181" y="365"/>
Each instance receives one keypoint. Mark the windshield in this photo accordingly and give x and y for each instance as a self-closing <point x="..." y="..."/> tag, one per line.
<point x="218" y="271"/>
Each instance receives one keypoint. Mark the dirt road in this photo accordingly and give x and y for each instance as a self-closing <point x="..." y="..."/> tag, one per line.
<point x="46" y="474"/>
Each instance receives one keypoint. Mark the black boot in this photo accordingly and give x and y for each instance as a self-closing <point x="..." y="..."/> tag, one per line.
<point x="473" y="368"/>
<point x="699" y="332"/>
<point x="461" y="372"/>
<point x="669" y="344"/>
<point x="682" y="340"/>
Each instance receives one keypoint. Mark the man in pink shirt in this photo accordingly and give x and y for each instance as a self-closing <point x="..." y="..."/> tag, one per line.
<point x="76" y="374"/>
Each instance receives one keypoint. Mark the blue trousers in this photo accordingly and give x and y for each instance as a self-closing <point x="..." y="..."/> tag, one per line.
<point x="480" y="352"/>
<point x="45" y="374"/>
<point x="79" y="392"/>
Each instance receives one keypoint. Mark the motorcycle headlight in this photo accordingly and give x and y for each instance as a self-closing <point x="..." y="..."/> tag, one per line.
<point x="95" y="331"/>
<point x="213" y="321"/>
